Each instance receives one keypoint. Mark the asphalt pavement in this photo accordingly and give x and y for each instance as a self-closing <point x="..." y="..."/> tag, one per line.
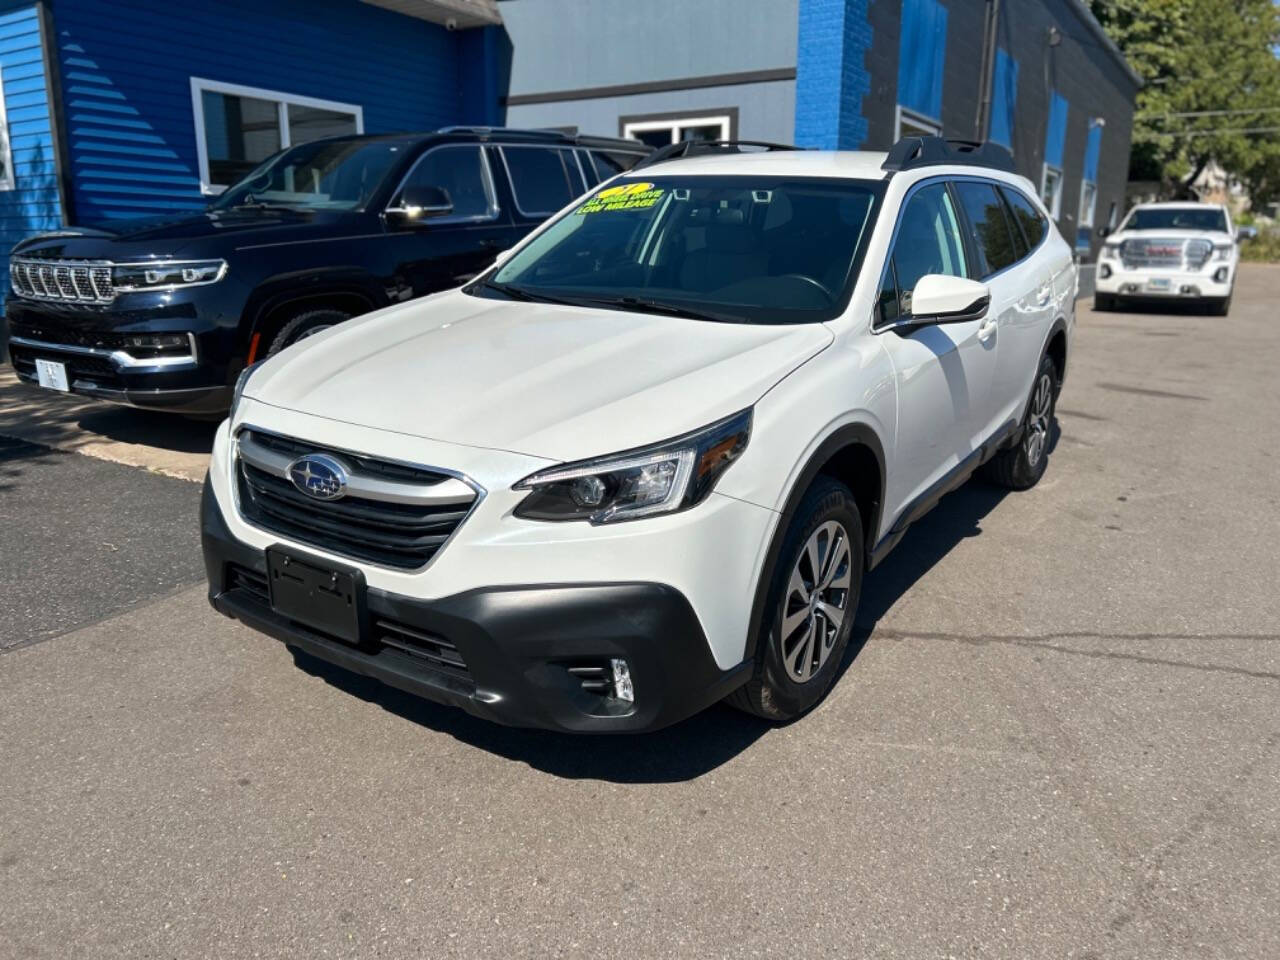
<point x="1057" y="735"/>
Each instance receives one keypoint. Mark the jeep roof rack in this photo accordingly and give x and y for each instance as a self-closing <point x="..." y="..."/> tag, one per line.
<point x="910" y="153"/>
<point x="687" y="148"/>
<point x="543" y="135"/>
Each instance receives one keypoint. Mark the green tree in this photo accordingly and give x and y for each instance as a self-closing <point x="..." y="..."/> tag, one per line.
<point x="1212" y="88"/>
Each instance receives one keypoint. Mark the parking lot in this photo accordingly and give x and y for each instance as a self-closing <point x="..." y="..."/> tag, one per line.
<point x="1057" y="737"/>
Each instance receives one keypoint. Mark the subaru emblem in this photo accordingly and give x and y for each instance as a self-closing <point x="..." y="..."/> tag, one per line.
<point x="319" y="476"/>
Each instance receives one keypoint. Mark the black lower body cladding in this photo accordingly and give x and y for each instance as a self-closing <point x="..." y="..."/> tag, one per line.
<point x="524" y="655"/>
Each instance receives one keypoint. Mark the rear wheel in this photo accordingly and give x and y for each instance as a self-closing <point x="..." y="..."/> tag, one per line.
<point x="1021" y="467"/>
<point x="305" y="324"/>
<point x="812" y="602"/>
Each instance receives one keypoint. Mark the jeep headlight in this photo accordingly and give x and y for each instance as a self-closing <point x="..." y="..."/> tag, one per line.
<point x="661" y="478"/>
<point x="166" y="274"/>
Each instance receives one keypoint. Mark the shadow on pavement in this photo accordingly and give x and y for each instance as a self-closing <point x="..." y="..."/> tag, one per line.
<point x="168" y="431"/>
<point x="16" y="456"/>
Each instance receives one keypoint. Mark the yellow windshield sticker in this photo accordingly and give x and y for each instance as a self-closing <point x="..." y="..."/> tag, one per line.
<point x="628" y="196"/>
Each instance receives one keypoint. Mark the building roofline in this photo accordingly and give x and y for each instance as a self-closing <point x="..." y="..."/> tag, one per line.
<point x="1086" y="16"/>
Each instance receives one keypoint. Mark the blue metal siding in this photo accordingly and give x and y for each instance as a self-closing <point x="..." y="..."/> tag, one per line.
<point x="831" y="74"/>
<point x="1055" y="138"/>
<point x="33" y="203"/>
<point x="1091" y="152"/>
<point x="922" y="48"/>
<point x="127" y="68"/>
<point x="1004" y="99"/>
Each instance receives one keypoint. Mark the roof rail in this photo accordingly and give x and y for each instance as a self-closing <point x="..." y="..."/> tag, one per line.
<point x="542" y="134"/>
<point x="688" y="148"/>
<point x="912" y="152"/>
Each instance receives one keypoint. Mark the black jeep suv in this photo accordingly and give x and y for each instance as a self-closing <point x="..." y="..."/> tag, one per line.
<point x="166" y="313"/>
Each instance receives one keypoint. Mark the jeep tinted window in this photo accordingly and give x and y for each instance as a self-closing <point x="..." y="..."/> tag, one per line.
<point x="928" y="240"/>
<point x="539" y="178"/>
<point x="1032" y="221"/>
<point x="991" y="234"/>
<point x="458" y="171"/>
<point x="609" y="164"/>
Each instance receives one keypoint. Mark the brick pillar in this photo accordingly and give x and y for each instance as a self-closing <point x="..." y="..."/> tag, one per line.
<point x="831" y="74"/>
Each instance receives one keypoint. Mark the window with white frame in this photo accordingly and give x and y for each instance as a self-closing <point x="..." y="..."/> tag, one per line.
<point x="1051" y="190"/>
<point x="7" y="179"/>
<point x="912" y="124"/>
<point x="1088" y="202"/>
<point x="665" y="130"/>
<point x="238" y="127"/>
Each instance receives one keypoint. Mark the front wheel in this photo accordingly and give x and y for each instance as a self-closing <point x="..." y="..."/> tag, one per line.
<point x="1020" y="467"/>
<point x="812" y="603"/>
<point x="303" y="325"/>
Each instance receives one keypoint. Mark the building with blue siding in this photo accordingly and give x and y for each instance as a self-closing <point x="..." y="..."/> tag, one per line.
<point x="1038" y="76"/>
<point x="136" y="108"/>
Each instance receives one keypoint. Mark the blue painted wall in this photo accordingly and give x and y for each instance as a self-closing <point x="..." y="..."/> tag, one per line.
<point x="33" y="204"/>
<point x="922" y="47"/>
<point x="1055" y="138"/>
<point x="126" y="69"/>
<point x="1004" y="99"/>
<point x="1092" y="151"/>
<point x="831" y="74"/>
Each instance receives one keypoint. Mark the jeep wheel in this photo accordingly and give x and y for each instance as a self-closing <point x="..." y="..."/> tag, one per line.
<point x="1020" y="467"/>
<point x="303" y="325"/>
<point x="811" y="607"/>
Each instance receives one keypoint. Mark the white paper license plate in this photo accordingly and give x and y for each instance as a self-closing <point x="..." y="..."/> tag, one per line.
<point x="52" y="375"/>
<point x="1159" y="284"/>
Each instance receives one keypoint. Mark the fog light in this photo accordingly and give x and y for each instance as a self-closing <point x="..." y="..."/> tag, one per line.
<point x="160" y="341"/>
<point x="1220" y="275"/>
<point x="1104" y="271"/>
<point x="622" y="688"/>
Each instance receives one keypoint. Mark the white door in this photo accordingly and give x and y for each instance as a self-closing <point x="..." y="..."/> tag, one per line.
<point x="943" y="371"/>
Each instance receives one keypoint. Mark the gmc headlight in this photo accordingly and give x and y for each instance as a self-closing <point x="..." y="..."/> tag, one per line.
<point x="161" y="275"/>
<point x="662" y="478"/>
<point x="1222" y="253"/>
<point x="238" y="392"/>
<point x="1111" y="250"/>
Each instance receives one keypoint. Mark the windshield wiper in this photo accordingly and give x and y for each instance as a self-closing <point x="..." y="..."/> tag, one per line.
<point x="527" y="295"/>
<point x="669" y="309"/>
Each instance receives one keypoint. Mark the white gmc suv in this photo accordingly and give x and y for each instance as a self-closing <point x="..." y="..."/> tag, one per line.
<point x="1169" y="251"/>
<point x="643" y="462"/>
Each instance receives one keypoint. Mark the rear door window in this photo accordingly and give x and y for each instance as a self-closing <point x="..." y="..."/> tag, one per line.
<point x="991" y="228"/>
<point x="1031" y="220"/>
<point x="540" y="179"/>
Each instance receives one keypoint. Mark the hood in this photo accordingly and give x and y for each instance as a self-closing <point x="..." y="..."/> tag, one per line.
<point x="1218" y="237"/>
<point x="207" y="233"/>
<point x="562" y="383"/>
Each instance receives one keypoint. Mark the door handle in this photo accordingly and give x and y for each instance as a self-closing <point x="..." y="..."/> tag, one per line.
<point x="1044" y="295"/>
<point x="987" y="330"/>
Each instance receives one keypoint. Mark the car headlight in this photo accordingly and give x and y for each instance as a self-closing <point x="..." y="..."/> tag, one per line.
<point x="1222" y="253"/>
<point x="238" y="392"/>
<point x="1111" y="250"/>
<point x="160" y="275"/>
<point x="661" y="478"/>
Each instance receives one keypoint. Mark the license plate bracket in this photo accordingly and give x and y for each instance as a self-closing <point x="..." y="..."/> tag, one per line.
<point x="52" y="375"/>
<point x="323" y="596"/>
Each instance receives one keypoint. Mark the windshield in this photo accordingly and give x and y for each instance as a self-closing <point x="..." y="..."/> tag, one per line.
<point x="741" y="249"/>
<point x="321" y="175"/>
<point x="1177" y="218"/>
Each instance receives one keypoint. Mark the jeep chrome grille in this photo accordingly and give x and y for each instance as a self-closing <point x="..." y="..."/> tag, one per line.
<point x="392" y="514"/>
<point x="1144" y="253"/>
<point x="71" y="281"/>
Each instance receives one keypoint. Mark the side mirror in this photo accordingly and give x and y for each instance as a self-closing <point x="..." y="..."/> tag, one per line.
<point x="419" y="203"/>
<point x="942" y="299"/>
<point x="1246" y="233"/>
<point x="1104" y="231"/>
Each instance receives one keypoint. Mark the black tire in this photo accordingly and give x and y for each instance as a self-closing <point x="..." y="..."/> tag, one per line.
<point x="1219" y="306"/>
<point x="774" y="692"/>
<point x="1020" y="467"/>
<point x="1102" y="302"/>
<point x="304" y="324"/>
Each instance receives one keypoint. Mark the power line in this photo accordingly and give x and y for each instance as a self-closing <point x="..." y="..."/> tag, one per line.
<point x="1204" y="113"/>
<point x="1210" y="133"/>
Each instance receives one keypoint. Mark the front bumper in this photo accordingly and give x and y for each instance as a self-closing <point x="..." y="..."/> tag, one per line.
<point x="518" y="643"/>
<point x="1214" y="280"/>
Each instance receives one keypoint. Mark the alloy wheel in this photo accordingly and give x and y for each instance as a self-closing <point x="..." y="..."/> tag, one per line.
<point x="1038" y="422"/>
<point x="816" y="601"/>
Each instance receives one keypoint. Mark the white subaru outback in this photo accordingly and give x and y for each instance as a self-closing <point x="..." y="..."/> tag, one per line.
<point x="1170" y="251"/>
<point x="643" y="462"/>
